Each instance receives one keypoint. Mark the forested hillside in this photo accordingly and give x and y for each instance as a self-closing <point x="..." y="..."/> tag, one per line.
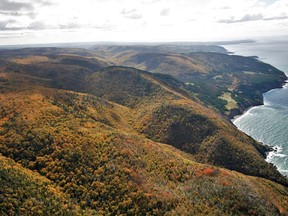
<point x="81" y="137"/>
<point x="228" y="83"/>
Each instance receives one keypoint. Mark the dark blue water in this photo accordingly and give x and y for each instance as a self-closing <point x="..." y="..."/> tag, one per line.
<point x="268" y="123"/>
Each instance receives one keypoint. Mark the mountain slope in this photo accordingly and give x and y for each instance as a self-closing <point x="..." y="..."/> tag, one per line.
<point x="228" y="82"/>
<point x="163" y="111"/>
<point x="113" y="51"/>
<point x="167" y="115"/>
<point x="24" y="192"/>
<point x="109" y="143"/>
<point x="86" y="147"/>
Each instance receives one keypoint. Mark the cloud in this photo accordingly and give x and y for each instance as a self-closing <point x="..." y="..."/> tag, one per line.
<point x="3" y="25"/>
<point x="134" y="16"/>
<point x="38" y="25"/>
<point x="167" y="19"/>
<point x="45" y="3"/>
<point x="276" y="18"/>
<point x="32" y="15"/>
<point x="6" y="5"/>
<point x="15" y="8"/>
<point x="165" y="12"/>
<point x="267" y="2"/>
<point x="128" y="11"/>
<point x="252" y="17"/>
<point x="106" y="27"/>
<point x="150" y="1"/>
<point x="71" y="25"/>
<point x="131" y="14"/>
<point x="24" y="14"/>
<point x="245" y="18"/>
<point x="6" y="25"/>
<point x="250" y="10"/>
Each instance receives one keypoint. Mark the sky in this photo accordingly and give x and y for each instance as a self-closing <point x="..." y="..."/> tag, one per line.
<point x="58" y="21"/>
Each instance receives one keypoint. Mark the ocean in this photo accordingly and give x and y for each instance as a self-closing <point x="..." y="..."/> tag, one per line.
<point x="268" y="123"/>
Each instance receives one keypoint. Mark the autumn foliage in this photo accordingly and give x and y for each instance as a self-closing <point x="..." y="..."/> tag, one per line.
<point x="93" y="149"/>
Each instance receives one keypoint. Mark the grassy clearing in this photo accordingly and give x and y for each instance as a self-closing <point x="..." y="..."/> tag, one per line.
<point x="231" y="103"/>
<point x="30" y="60"/>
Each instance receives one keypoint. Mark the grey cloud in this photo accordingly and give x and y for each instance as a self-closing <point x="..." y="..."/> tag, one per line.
<point x="45" y="3"/>
<point x="254" y="17"/>
<point x="134" y="16"/>
<point x="165" y="12"/>
<point x="6" y="5"/>
<point x="17" y="9"/>
<point x="249" y="17"/>
<point x="10" y="35"/>
<point x="131" y="14"/>
<point x="225" y="8"/>
<point x="4" y="25"/>
<point x="246" y="18"/>
<point x="127" y="11"/>
<point x="71" y="25"/>
<point x="105" y="27"/>
<point x="230" y="20"/>
<point x="32" y="15"/>
<point x="150" y="1"/>
<point x="74" y="25"/>
<point x="37" y="26"/>
<point x="268" y="2"/>
<point x="276" y="18"/>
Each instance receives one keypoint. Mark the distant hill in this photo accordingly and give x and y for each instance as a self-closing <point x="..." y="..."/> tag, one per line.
<point x="229" y="83"/>
<point x="118" y="140"/>
<point x="158" y="48"/>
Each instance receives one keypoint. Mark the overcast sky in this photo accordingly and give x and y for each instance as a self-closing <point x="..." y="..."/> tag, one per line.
<point x="49" y="21"/>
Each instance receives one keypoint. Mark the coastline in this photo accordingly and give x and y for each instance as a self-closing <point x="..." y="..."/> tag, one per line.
<point x="269" y="151"/>
<point x="246" y="111"/>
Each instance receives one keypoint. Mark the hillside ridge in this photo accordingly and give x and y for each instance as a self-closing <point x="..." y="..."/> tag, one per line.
<point x="119" y="140"/>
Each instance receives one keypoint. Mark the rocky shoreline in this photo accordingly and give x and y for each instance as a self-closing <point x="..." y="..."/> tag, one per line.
<point x="264" y="149"/>
<point x="235" y="113"/>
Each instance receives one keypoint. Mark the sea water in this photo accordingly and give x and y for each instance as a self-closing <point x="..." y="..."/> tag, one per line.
<point x="268" y="123"/>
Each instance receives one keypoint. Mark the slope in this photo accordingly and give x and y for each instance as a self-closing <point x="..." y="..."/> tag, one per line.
<point x="87" y="146"/>
<point x="166" y="114"/>
<point x="162" y="110"/>
<point x="115" y="50"/>
<point x="228" y="82"/>
<point x="24" y="192"/>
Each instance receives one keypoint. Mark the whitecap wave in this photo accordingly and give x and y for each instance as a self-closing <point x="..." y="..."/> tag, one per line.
<point x="280" y="155"/>
<point x="275" y="153"/>
<point x="246" y="113"/>
<point x="269" y="107"/>
<point x="277" y="148"/>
